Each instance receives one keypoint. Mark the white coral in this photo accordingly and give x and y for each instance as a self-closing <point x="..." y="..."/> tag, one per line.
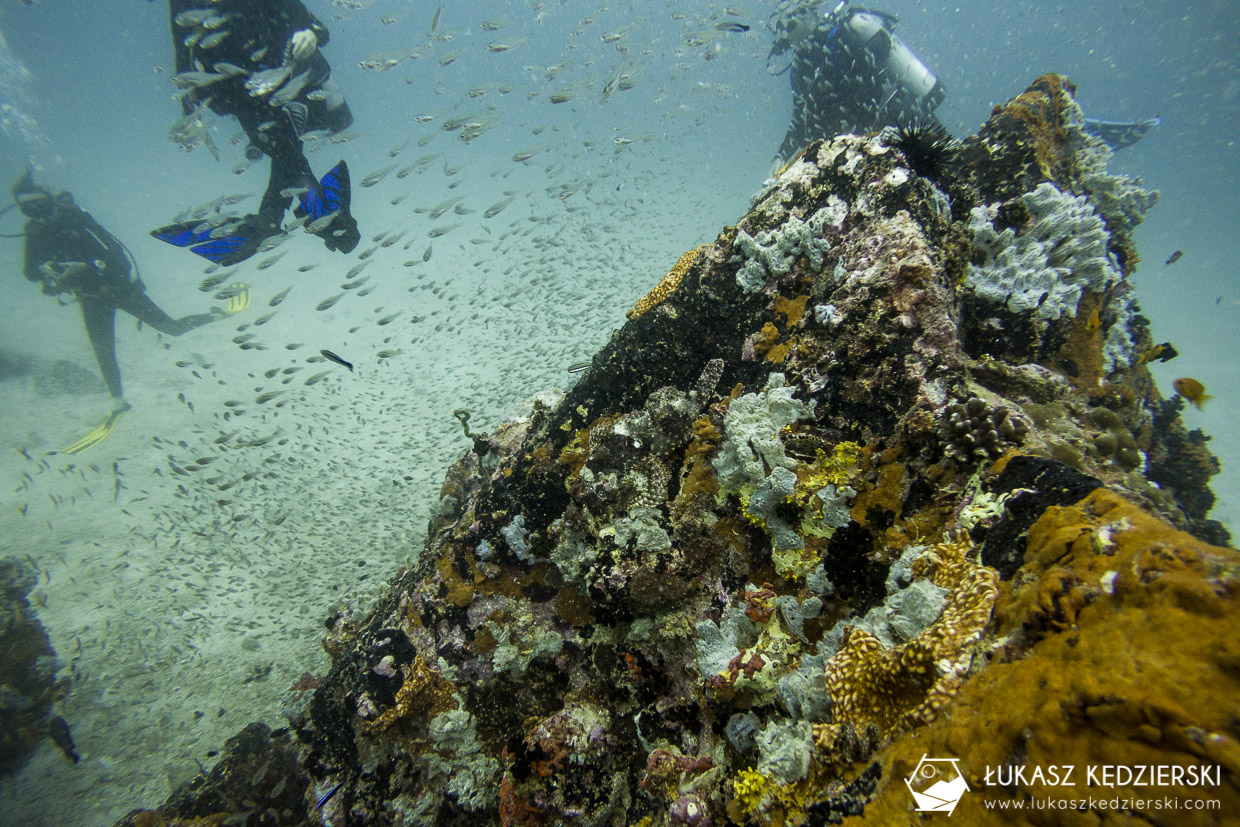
<point x="1046" y="268"/>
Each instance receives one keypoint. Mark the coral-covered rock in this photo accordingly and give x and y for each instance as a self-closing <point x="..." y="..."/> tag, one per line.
<point x="28" y="685"/>
<point x="874" y="475"/>
<point x="1120" y="652"/>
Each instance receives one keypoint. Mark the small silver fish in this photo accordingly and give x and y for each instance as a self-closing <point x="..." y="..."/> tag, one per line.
<point x="327" y="303"/>
<point x="377" y="176"/>
<point x="214" y="39"/>
<point x="271" y="260"/>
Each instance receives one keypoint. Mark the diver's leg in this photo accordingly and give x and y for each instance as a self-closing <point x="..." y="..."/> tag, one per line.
<point x="100" y="319"/>
<point x="141" y="307"/>
<point x="289" y="167"/>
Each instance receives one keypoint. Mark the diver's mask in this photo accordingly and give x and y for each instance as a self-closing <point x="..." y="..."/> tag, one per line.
<point x="37" y="204"/>
<point x="42" y="203"/>
<point x="35" y="201"/>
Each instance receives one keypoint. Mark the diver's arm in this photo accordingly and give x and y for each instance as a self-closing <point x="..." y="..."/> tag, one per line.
<point x="299" y="17"/>
<point x="34" y="252"/>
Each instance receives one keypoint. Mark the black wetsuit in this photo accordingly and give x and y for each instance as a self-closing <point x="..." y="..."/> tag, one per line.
<point x="107" y="284"/>
<point x="257" y="39"/>
<point x="839" y="85"/>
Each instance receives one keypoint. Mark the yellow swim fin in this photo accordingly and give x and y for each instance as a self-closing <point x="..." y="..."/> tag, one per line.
<point x="237" y="302"/>
<point x="101" y="432"/>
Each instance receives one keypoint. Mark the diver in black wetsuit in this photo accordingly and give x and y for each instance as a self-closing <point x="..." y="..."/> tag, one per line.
<point x="69" y="252"/>
<point x="850" y="73"/>
<point x="259" y="61"/>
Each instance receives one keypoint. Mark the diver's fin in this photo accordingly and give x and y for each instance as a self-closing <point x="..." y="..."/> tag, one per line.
<point x="1119" y="134"/>
<point x="183" y="233"/>
<point x="238" y="302"/>
<point x="101" y="432"/>
<point x="327" y="208"/>
<point x="234" y="246"/>
<point x="230" y="249"/>
<point x="331" y="195"/>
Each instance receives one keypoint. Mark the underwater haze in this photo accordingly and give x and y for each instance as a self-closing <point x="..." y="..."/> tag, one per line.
<point x="183" y="567"/>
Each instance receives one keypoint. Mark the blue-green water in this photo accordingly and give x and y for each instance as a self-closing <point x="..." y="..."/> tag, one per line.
<point x="183" y="606"/>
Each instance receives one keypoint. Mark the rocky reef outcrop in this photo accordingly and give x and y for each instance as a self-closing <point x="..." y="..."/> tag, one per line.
<point x="879" y="474"/>
<point x="28" y="686"/>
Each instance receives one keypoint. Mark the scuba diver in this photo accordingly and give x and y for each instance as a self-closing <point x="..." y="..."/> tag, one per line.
<point x="851" y="73"/>
<point x="68" y="252"/>
<point x="259" y="61"/>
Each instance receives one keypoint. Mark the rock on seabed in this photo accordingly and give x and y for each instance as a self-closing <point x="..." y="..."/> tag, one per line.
<point x="877" y="475"/>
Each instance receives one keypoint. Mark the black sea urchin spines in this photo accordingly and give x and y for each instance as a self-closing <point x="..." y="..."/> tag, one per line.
<point x="926" y="146"/>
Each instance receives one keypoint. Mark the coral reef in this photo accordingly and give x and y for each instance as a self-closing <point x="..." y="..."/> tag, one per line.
<point x="28" y="685"/>
<point x="873" y="475"/>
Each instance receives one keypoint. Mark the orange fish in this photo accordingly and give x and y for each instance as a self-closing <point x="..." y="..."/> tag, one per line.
<point x="1192" y="390"/>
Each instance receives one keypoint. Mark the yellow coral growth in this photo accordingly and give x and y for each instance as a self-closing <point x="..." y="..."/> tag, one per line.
<point x="836" y="469"/>
<point x="667" y="285"/>
<point x="757" y="797"/>
<point x="908" y="685"/>
<point x="424" y="692"/>
<point x="1040" y="108"/>
<point x="1143" y="673"/>
<point x="791" y="309"/>
<point x="750" y="789"/>
<point x="700" y="476"/>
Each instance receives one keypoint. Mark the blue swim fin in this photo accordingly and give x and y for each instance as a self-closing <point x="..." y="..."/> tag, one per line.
<point x="327" y="205"/>
<point x="239" y="244"/>
<point x="182" y="234"/>
<point x="333" y="194"/>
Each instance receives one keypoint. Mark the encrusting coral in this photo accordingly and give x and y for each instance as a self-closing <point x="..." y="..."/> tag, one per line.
<point x="1114" y="647"/>
<point x="841" y="494"/>
<point x="908" y="685"/>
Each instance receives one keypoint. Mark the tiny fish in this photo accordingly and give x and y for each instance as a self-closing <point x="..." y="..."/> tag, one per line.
<point x="328" y="797"/>
<point x="327" y="303"/>
<point x="279" y="297"/>
<point x="210" y="283"/>
<point x="58" y="729"/>
<point x="213" y="40"/>
<point x="496" y="208"/>
<point x="388" y="354"/>
<point x="1192" y="390"/>
<point x="318" y="377"/>
<point x="327" y="354"/>
<point x="377" y="176"/>
<point x="1174" y="258"/>
<point x="1164" y="352"/>
<point x="427" y="255"/>
<point x="730" y="26"/>
<point x="436" y="232"/>
<point x="264" y="398"/>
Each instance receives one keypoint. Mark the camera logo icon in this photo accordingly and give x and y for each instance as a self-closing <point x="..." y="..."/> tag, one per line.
<point x="937" y="785"/>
